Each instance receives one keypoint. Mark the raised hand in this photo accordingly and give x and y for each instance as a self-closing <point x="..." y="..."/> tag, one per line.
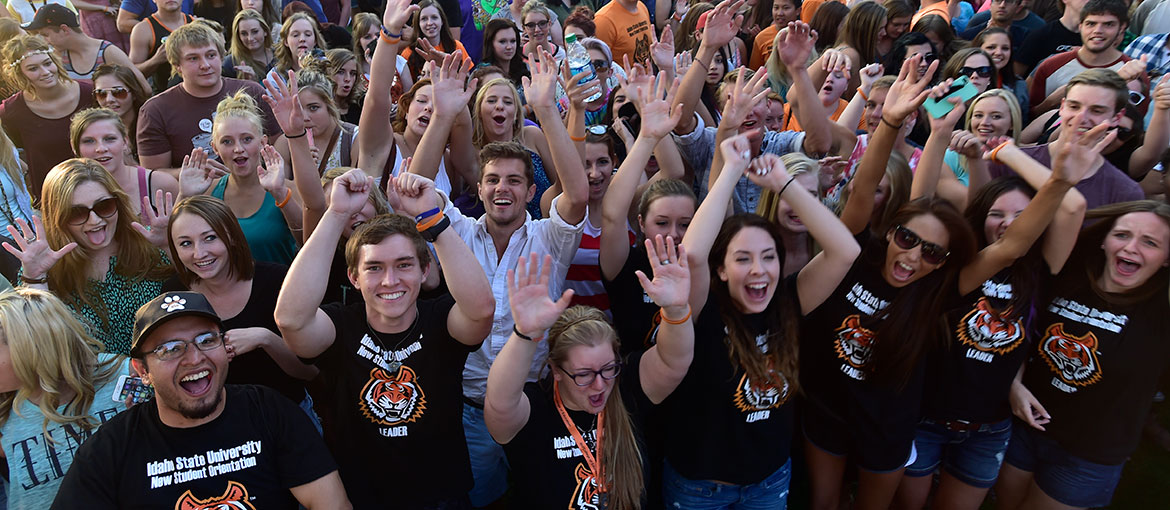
<point x="282" y="97"/>
<point x="1133" y="69"/>
<point x="637" y="76"/>
<point x="662" y="49"/>
<point x="450" y="88"/>
<point x="196" y="175"/>
<point x="33" y="250"/>
<point x="832" y="169"/>
<point x="795" y="43"/>
<point x="532" y="310"/>
<point x="768" y="171"/>
<point x="397" y="13"/>
<point x="870" y="74"/>
<point x="723" y="24"/>
<point x="155" y="229"/>
<point x="908" y="92"/>
<point x="737" y="153"/>
<point x="671" y="286"/>
<point x="658" y="109"/>
<point x="683" y="62"/>
<point x="350" y="192"/>
<point x="429" y="52"/>
<point x="745" y="95"/>
<point x="947" y="122"/>
<point x="1075" y="152"/>
<point x="541" y="89"/>
<point x="576" y="91"/>
<point x="245" y="72"/>
<point x="1162" y="93"/>
<point x="416" y="194"/>
<point x="834" y="60"/>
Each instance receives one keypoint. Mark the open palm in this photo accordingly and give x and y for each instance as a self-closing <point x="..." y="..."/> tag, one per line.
<point x="671" y="285"/>
<point x="532" y="310"/>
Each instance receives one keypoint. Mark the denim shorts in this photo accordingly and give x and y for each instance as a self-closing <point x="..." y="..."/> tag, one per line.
<point x="770" y="493"/>
<point x="974" y="457"/>
<point x="1065" y="477"/>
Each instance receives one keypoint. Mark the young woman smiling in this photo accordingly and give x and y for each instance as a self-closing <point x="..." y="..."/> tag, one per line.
<point x="431" y="39"/>
<point x="997" y="43"/>
<point x="89" y="251"/>
<point x="536" y="20"/>
<point x="251" y="55"/>
<point x="98" y="134"/>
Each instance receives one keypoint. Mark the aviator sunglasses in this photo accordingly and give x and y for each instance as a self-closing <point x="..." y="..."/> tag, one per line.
<point x="119" y="93"/>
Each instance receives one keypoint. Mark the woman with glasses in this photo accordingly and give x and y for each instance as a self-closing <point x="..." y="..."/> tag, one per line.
<point x="863" y="353"/>
<point x="974" y="63"/>
<point x="116" y="88"/>
<point x="430" y="40"/>
<point x="250" y="56"/>
<point x="997" y="43"/>
<point x="100" y="135"/>
<point x="89" y="251"/>
<point x="591" y="395"/>
<point x="49" y="396"/>
<point x="536" y="21"/>
<point x="37" y="117"/>
<point x="906" y="46"/>
<point x="213" y="259"/>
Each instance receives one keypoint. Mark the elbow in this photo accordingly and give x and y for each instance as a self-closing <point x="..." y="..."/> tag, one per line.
<point x="1074" y="204"/>
<point x="289" y="323"/>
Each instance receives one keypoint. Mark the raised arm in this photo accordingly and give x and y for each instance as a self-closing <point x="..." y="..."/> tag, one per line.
<point x="470" y="319"/>
<point x="794" y="44"/>
<point x="816" y="280"/>
<point x="851" y="117"/>
<point x="505" y="407"/>
<point x="305" y="327"/>
<point x="745" y="95"/>
<point x="1157" y="136"/>
<point x="665" y="364"/>
<point x="904" y="98"/>
<point x="450" y="92"/>
<point x="1072" y="158"/>
<point x="282" y="97"/>
<point x="375" y="136"/>
<point x="709" y="218"/>
<point x="540" y="91"/>
<point x="722" y="26"/>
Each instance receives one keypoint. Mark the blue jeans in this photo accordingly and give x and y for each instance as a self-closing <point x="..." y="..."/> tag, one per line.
<point x="769" y="494"/>
<point x="307" y="406"/>
<point x="1065" y="477"/>
<point x="974" y="457"/>
<point x="489" y="466"/>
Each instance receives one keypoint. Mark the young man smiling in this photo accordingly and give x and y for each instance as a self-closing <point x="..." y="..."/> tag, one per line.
<point x="174" y="122"/>
<point x="198" y="443"/>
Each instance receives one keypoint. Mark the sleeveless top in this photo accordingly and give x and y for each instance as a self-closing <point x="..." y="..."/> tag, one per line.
<point x="159" y="33"/>
<point x="87" y="75"/>
<point x="267" y="233"/>
<point x="540" y="177"/>
<point x="442" y="180"/>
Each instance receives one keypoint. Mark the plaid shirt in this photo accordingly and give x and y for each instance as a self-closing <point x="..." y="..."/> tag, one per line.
<point x="1153" y="45"/>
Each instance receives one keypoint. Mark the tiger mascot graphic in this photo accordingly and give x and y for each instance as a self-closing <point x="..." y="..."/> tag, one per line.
<point x="757" y="397"/>
<point x="854" y="343"/>
<point x="1073" y="357"/>
<point x="235" y="497"/>
<point x="586" y="496"/>
<point x="390" y="400"/>
<point x="985" y="330"/>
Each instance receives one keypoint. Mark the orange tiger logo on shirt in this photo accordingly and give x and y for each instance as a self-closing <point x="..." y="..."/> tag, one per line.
<point x="750" y="396"/>
<point x="235" y="497"/>
<point x="854" y="343"/>
<point x="587" y="496"/>
<point x="391" y="400"/>
<point x="1074" y="358"/>
<point x="987" y="331"/>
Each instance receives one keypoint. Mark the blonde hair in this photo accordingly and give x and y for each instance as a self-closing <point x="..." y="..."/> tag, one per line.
<point x="20" y="48"/>
<point x="68" y="278"/>
<point x="362" y="23"/>
<point x="478" y="134"/>
<point x="239" y="53"/>
<point x="191" y="35"/>
<point x="310" y="79"/>
<point x="621" y="459"/>
<point x="238" y="106"/>
<point x="284" y="56"/>
<point x="9" y="161"/>
<point x="84" y="119"/>
<point x="52" y="355"/>
<point x="796" y="164"/>
<point x="900" y="177"/>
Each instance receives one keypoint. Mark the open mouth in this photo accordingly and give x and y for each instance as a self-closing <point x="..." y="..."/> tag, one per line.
<point x="748" y="125"/>
<point x="424" y="121"/>
<point x="1127" y="267"/>
<point x="502" y="202"/>
<point x="499" y="119"/>
<point x="756" y="291"/>
<point x="205" y="263"/>
<point x="196" y="384"/>
<point x="240" y="161"/>
<point x="597" y="400"/>
<point x="902" y="272"/>
<point x="104" y="159"/>
<point x="97" y="236"/>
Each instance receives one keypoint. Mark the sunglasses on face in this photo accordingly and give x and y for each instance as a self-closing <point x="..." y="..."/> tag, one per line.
<point x="104" y="208"/>
<point x="932" y="253"/>
<point x="533" y="25"/>
<point x="600" y="65"/>
<point x="981" y="71"/>
<point x="175" y="349"/>
<point x="928" y="58"/>
<point x="119" y="93"/>
<point x="586" y="376"/>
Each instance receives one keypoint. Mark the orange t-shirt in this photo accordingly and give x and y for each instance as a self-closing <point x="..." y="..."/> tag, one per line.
<point x="939" y="8"/>
<point x="808" y="9"/>
<point x="762" y="46"/>
<point x="458" y="46"/>
<point x="626" y="33"/>
<point x="790" y="123"/>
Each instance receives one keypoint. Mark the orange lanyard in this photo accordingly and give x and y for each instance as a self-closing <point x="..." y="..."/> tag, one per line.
<point x="590" y="459"/>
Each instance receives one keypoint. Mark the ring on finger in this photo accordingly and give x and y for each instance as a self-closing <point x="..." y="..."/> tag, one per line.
<point x="665" y="262"/>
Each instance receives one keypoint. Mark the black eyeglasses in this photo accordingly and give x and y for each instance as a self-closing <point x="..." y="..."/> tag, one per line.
<point x="982" y="71"/>
<point x="175" y="349"/>
<point x="104" y="208"/>
<point x="1136" y="98"/>
<point x="586" y="376"/>
<point x="533" y="25"/>
<point x="932" y="253"/>
<point x="119" y="93"/>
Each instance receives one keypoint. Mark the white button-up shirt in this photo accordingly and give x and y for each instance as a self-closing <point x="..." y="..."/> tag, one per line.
<point x="551" y="236"/>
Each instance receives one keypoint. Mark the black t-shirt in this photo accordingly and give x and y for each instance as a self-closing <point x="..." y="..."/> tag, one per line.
<point x="837" y="340"/>
<point x="339" y="289"/>
<point x="249" y="457"/>
<point x="1096" y="366"/>
<point x="633" y="311"/>
<point x="970" y="379"/>
<point x="719" y="424"/>
<point x="257" y="367"/>
<point x="547" y="467"/>
<point x="1046" y="41"/>
<point x="397" y="407"/>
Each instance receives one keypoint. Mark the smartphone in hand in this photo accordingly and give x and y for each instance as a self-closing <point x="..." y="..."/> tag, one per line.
<point x="961" y="88"/>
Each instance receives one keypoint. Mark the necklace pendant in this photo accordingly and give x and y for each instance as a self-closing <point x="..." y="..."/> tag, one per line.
<point x="394" y="366"/>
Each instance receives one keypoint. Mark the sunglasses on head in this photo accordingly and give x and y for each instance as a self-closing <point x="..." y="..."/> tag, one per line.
<point x="1136" y="98"/>
<point x="932" y="253"/>
<point x="119" y="93"/>
<point x="982" y="71"/>
<point x="104" y="208"/>
<point x="598" y="129"/>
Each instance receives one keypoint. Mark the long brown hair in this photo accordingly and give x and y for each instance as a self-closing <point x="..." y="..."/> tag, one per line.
<point x="21" y="47"/>
<point x="860" y="30"/>
<point x="1088" y="249"/>
<point x="241" y="54"/>
<point x="285" y="56"/>
<point x="223" y="221"/>
<point x="621" y="459"/>
<point x="778" y="364"/>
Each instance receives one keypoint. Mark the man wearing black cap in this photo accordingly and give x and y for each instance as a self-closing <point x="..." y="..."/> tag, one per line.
<point x="199" y="444"/>
<point x="80" y="53"/>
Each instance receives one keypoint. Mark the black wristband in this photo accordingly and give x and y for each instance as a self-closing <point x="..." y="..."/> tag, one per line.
<point x="290" y="137"/>
<point x="525" y="337"/>
<point x="432" y="233"/>
<point x="781" y="193"/>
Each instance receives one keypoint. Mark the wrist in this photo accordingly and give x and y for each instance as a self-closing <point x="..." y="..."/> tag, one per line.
<point x="675" y="313"/>
<point x="531" y="337"/>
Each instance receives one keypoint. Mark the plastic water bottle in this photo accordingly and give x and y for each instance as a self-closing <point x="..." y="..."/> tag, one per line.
<point x="579" y="62"/>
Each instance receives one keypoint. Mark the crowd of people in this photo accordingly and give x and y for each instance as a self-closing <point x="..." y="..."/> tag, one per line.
<point x="446" y="254"/>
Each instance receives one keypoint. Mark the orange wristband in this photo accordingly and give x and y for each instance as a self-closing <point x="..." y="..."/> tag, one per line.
<point x="862" y="94"/>
<point x="429" y="222"/>
<point x="284" y="202"/>
<point x="577" y="139"/>
<point x="995" y="151"/>
<point x="675" y="322"/>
